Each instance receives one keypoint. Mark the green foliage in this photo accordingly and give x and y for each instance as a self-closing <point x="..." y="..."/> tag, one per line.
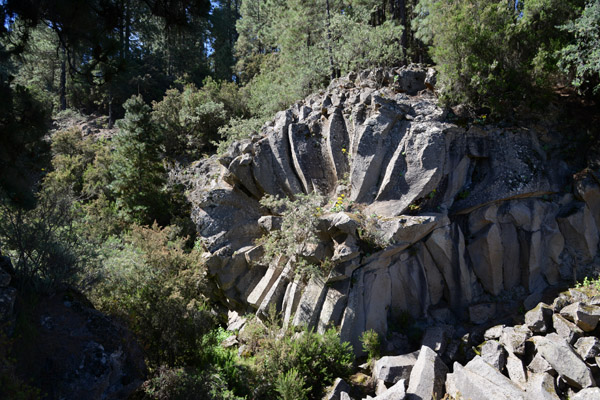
<point x="187" y="384"/>
<point x="139" y="176"/>
<point x="150" y="281"/>
<point x="237" y="129"/>
<point x="581" y="57"/>
<point x="299" y="220"/>
<point x="317" y="359"/>
<point x="492" y="54"/>
<point x="287" y="50"/>
<point x="43" y="241"/>
<point x="360" y="45"/>
<point x="371" y="342"/>
<point x="290" y="386"/>
<point x="188" y="120"/>
<point x="371" y="234"/>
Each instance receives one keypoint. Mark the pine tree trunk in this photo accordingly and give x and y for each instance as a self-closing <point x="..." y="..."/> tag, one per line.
<point x="329" y="50"/>
<point x="63" y="81"/>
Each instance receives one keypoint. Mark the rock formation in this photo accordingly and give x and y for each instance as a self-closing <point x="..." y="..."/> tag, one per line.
<point x="466" y="213"/>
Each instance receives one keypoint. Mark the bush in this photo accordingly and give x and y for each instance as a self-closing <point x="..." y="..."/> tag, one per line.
<point x="317" y="359"/>
<point x="298" y="227"/>
<point x="187" y="384"/>
<point x="371" y="342"/>
<point x="150" y="281"/>
<point x="43" y="241"/>
<point x="290" y="386"/>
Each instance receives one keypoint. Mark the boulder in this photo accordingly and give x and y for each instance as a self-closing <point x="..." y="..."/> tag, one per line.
<point x="566" y="329"/>
<point x="437" y="338"/>
<point x="427" y="376"/>
<point x="339" y="386"/>
<point x="515" y="370"/>
<point x="539" y="365"/>
<point x="396" y="392"/>
<point x="494" y="354"/>
<point x="584" y="316"/>
<point x="514" y="338"/>
<point x="391" y="369"/>
<point x="564" y="360"/>
<point x="479" y="380"/>
<point x="541" y="387"/>
<point x="494" y="332"/>
<point x="587" y="394"/>
<point x="588" y="347"/>
<point x="539" y="319"/>
<point x="8" y="295"/>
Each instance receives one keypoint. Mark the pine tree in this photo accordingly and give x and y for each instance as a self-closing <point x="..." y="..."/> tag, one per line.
<point x="139" y="175"/>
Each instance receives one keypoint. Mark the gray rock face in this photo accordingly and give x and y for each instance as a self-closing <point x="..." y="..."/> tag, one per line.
<point x="479" y="380"/>
<point x="427" y="377"/>
<point x="564" y="360"/>
<point x="391" y="369"/>
<point x="458" y="211"/>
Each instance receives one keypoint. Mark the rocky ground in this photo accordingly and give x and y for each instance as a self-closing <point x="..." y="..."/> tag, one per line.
<point x="554" y="354"/>
<point x="66" y="348"/>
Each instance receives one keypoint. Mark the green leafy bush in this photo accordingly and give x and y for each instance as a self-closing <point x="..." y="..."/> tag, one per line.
<point x="371" y="342"/>
<point x="187" y="384"/>
<point x="298" y="227"/>
<point x="317" y="360"/>
<point x="149" y="280"/>
<point x="291" y="386"/>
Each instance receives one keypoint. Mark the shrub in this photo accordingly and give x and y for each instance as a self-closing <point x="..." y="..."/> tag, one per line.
<point x="150" y="281"/>
<point x="371" y="342"/>
<point x="317" y="359"/>
<point x="43" y="241"/>
<point x="298" y="227"/>
<point x="290" y="386"/>
<point x="187" y="384"/>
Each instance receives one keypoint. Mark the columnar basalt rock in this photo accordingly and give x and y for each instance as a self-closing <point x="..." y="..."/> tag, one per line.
<point x="455" y="214"/>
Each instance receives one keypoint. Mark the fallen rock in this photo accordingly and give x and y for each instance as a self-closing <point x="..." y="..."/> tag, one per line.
<point x="479" y="380"/>
<point x="437" y="337"/>
<point x="396" y="392"/>
<point x="427" y="377"/>
<point x="539" y="319"/>
<point x="392" y="369"/>
<point x="584" y="316"/>
<point x="516" y="371"/>
<point x="494" y="332"/>
<point x="587" y="394"/>
<point x="339" y="386"/>
<point x="539" y="365"/>
<point x="588" y="347"/>
<point x="514" y="338"/>
<point x="566" y="329"/>
<point x="541" y="387"/>
<point x="494" y="354"/>
<point x="564" y="360"/>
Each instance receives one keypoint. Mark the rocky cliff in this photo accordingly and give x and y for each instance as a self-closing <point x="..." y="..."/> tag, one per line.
<point x="471" y="215"/>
